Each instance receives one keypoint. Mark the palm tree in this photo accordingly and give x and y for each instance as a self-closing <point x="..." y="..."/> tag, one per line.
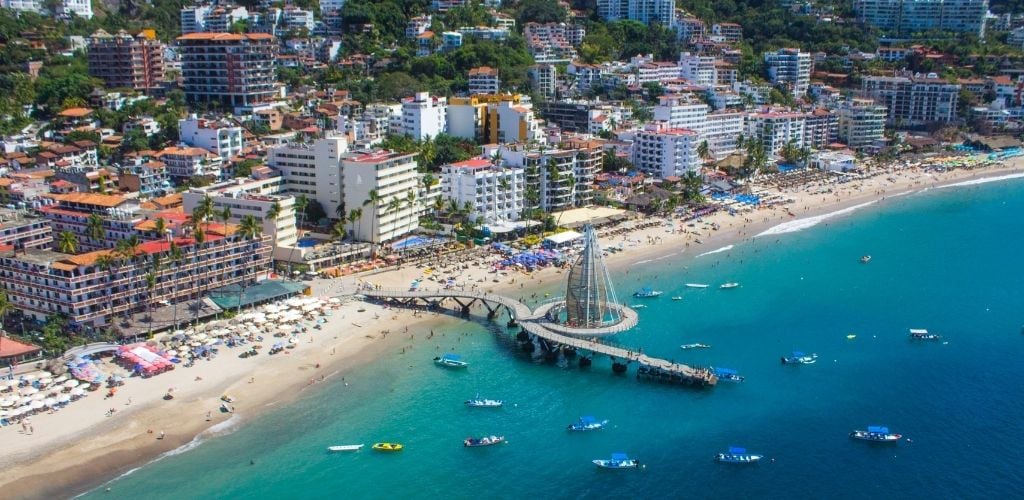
<point x="394" y="205"/>
<point x="126" y="250"/>
<point x="5" y="308"/>
<point x="94" y="228"/>
<point x="301" y="202"/>
<point x="175" y="255"/>
<point x="160" y="226"/>
<point x="274" y="212"/>
<point x="355" y="215"/>
<point x="151" y="286"/>
<point x="204" y="210"/>
<point x="703" y="151"/>
<point x="108" y="262"/>
<point x="339" y="211"/>
<point x="410" y="203"/>
<point x="374" y="198"/>
<point x="200" y="237"/>
<point x="250" y="229"/>
<point x="338" y="231"/>
<point x="67" y="242"/>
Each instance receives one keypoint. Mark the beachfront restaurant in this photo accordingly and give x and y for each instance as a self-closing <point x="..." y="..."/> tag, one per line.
<point x="561" y="241"/>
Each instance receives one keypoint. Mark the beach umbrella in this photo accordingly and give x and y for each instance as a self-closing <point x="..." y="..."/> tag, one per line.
<point x="51" y="402"/>
<point x="30" y="377"/>
<point x="60" y="379"/>
<point x="7" y="403"/>
<point x="45" y="373"/>
<point x="24" y="401"/>
<point x="71" y="384"/>
<point x="64" y="398"/>
<point x="38" y="397"/>
<point x="28" y="391"/>
<point x="45" y="381"/>
<point x="78" y="391"/>
<point x="36" y="405"/>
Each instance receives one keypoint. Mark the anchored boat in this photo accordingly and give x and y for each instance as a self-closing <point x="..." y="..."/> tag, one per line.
<point x="726" y="286"/>
<point x="876" y="434"/>
<point x="647" y="293"/>
<point x="737" y="455"/>
<point x="728" y="374"/>
<point x="695" y="346"/>
<point x="799" y="358"/>
<point x="696" y="285"/>
<point x="618" y="461"/>
<point x="450" y="361"/>
<point x="345" y="447"/>
<point x="479" y="402"/>
<point x="864" y="259"/>
<point x="922" y="334"/>
<point x="484" y="441"/>
<point x="387" y="446"/>
<point x="588" y="423"/>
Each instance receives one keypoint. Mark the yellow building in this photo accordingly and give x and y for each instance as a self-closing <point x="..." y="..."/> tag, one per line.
<point x="493" y="118"/>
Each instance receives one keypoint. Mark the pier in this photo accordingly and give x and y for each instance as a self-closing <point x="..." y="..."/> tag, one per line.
<point x="537" y="323"/>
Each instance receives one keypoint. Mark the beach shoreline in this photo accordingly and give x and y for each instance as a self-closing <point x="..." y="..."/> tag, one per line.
<point x="109" y="448"/>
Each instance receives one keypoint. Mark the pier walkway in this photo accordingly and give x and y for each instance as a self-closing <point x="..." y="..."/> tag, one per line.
<point x="535" y="323"/>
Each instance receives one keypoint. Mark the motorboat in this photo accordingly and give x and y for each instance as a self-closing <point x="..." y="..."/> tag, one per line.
<point x="696" y="285"/>
<point x="638" y="306"/>
<point x="387" y="446"/>
<point x="478" y="402"/>
<point x="647" y="293"/>
<point x="450" y="361"/>
<point x="226" y="408"/>
<point x="922" y="334"/>
<point x="345" y="447"/>
<point x="484" y="441"/>
<point x="694" y="346"/>
<point x="864" y="259"/>
<point x="588" y="423"/>
<point x="876" y="434"/>
<point x="618" y="461"/>
<point x="737" y="455"/>
<point x="726" y="286"/>
<point x="676" y="297"/>
<point x="799" y="358"/>
<point x="728" y="374"/>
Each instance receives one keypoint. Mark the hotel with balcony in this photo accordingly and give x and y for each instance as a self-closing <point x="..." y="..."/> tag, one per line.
<point x="236" y="70"/>
<point x="496" y="193"/>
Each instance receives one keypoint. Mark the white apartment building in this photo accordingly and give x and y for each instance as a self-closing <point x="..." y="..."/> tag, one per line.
<point x="496" y="193"/>
<point x="684" y="111"/>
<point x="657" y="72"/>
<point x="774" y="130"/>
<point x="185" y="163"/>
<point x="484" y="80"/>
<point x="662" y="151"/>
<point x="327" y="6"/>
<point x="247" y="197"/>
<point x="392" y="176"/>
<point x="423" y="116"/>
<point x="295" y="18"/>
<point x="914" y="100"/>
<point x="542" y="76"/>
<point x="416" y="25"/>
<point x="559" y="177"/>
<point x="861" y="123"/>
<point x="80" y="8"/>
<point x="219" y="137"/>
<point x="906" y="17"/>
<point x="313" y="170"/>
<point x="681" y="111"/>
<point x="645" y="11"/>
<point x="722" y="131"/>
<point x="193" y="19"/>
<point x="789" y="67"/>
<point x="699" y="70"/>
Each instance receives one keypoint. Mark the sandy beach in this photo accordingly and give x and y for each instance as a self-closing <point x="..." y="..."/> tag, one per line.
<point x="79" y="447"/>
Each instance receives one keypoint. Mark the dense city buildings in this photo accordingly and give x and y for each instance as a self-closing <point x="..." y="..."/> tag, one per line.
<point x="914" y="100"/>
<point x="791" y="68"/>
<point x="862" y="123"/>
<point x="913" y="17"/>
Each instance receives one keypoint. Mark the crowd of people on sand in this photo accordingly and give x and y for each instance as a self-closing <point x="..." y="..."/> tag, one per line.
<point x="43" y="392"/>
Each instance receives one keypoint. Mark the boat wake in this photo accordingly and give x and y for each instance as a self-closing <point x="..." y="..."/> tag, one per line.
<point x="975" y="182"/>
<point x="801" y="224"/>
<point x="224" y="427"/>
<point x="720" y="250"/>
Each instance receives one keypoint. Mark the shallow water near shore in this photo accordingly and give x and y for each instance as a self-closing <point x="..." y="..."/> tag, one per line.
<point x="947" y="260"/>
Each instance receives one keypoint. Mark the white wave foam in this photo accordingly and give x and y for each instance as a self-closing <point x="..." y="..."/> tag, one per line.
<point x="897" y="195"/>
<point x="226" y="426"/>
<point x="801" y="224"/>
<point x="720" y="250"/>
<point x="975" y="182"/>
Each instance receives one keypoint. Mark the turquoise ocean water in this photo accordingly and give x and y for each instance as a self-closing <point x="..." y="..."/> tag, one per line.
<point x="947" y="260"/>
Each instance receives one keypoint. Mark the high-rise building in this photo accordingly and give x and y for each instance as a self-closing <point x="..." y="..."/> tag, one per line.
<point x="423" y="116"/>
<point x="543" y="78"/>
<point x="313" y="170"/>
<point x="699" y="70"/>
<point x="221" y="138"/>
<point x="193" y="19"/>
<point x="775" y="130"/>
<point x="495" y="192"/>
<point x="662" y="151"/>
<point x="235" y="69"/>
<point x="914" y="101"/>
<point x="64" y="8"/>
<point x="861" y="123"/>
<point x="645" y="11"/>
<point x="494" y="119"/>
<point x="126" y="61"/>
<point x="393" y="177"/>
<point x="821" y="128"/>
<point x="907" y="17"/>
<point x="789" y="67"/>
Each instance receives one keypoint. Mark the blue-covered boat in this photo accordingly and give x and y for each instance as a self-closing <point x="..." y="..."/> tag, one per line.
<point x="618" y="461"/>
<point x="876" y="434"/>
<point x="450" y="361"/>
<point x="472" y="442"/>
<point x="588" y="423"/>
<point x="728" y="375"/>
<point x="647" y="293"/>
<point x="799" y="358"/>
<point x="737" y="455"/>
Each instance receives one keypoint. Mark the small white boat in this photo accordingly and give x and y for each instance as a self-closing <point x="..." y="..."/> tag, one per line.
<point x="922" y="334"/>
<point x="345" y="447"/>
<point x="695" y="346"/>
<point x="676" y="297"/>
<point x="618" y="461"/>
<point x="638" y="306"/>
<point x="696" y="285"/>
<point x="478" y="402"/>
<point x="729" y="285"/>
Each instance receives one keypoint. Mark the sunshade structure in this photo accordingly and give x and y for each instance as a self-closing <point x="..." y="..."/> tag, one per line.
<point x="590" y="299"/>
